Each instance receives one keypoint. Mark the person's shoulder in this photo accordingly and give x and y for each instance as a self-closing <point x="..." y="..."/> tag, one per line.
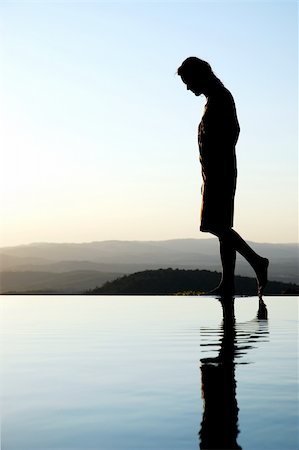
<point x="226" y="100"/>
<point x="226" y="95"/>
<point x="221" y="94"/>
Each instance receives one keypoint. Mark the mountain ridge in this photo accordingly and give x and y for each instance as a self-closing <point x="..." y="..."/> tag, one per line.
<point x="125" y="257"/>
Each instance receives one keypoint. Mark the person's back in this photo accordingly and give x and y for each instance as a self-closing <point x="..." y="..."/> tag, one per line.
<point x="218" y="133"/>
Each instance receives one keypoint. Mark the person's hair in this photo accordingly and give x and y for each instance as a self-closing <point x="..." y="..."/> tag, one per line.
<point x="194" y="66"/>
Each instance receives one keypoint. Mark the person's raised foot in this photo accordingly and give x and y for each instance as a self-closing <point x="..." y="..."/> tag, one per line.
<point x="262" y="275"/>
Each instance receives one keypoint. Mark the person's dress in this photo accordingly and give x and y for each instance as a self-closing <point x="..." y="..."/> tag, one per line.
<point x="218" y="133"/>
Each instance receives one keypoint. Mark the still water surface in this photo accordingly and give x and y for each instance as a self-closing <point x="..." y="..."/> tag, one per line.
<point x="138" y="373"/>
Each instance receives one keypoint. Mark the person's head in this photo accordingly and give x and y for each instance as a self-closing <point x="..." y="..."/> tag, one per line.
<point x="196" y="74"/>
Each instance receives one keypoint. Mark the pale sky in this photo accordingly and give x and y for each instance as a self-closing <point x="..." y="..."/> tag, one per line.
<point x="99" y="136"/>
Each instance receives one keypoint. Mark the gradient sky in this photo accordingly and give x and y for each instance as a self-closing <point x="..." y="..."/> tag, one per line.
<point x="99" y="136"/>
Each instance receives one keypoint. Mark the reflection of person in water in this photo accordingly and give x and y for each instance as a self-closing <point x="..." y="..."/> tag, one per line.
<point x="219" y="426"/>
<point x="217" y="136"/>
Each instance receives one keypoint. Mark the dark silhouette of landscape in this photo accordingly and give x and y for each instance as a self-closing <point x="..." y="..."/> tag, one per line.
<point x="187" y="282"/>
<point x="75" y="268"/>
<point x="219" y="426"/>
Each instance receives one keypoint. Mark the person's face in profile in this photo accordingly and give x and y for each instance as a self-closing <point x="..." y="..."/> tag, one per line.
<point x="193" y="84"/>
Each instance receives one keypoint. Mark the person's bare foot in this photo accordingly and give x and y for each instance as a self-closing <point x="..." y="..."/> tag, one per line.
<point x="261" y="271"/>
<point x="222" y="291"/>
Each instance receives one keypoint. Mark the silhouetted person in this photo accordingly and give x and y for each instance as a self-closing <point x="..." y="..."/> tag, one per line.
<point x="219" y="427"/>
<point x="218" y="133"/>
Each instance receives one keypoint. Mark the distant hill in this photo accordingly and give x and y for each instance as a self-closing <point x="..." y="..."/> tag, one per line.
<point x="170" y="281"/>
<point x="55" y="266"/>
<point x="73" y="282"/>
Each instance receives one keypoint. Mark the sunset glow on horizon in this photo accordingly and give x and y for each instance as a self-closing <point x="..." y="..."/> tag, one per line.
<point x="99" y="136"/>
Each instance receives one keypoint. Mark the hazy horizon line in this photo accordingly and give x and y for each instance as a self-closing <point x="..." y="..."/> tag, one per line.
<point x="135" y="240"/>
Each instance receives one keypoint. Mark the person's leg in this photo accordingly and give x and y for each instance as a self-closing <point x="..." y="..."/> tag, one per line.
<point x="226" y="286"/>
<point x="231" y="241"/>
<point x="228" y="261"/>
<point x="257" y="262"/>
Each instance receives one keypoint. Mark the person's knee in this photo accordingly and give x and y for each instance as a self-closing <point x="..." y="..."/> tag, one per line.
<point x="224" y="234"/>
